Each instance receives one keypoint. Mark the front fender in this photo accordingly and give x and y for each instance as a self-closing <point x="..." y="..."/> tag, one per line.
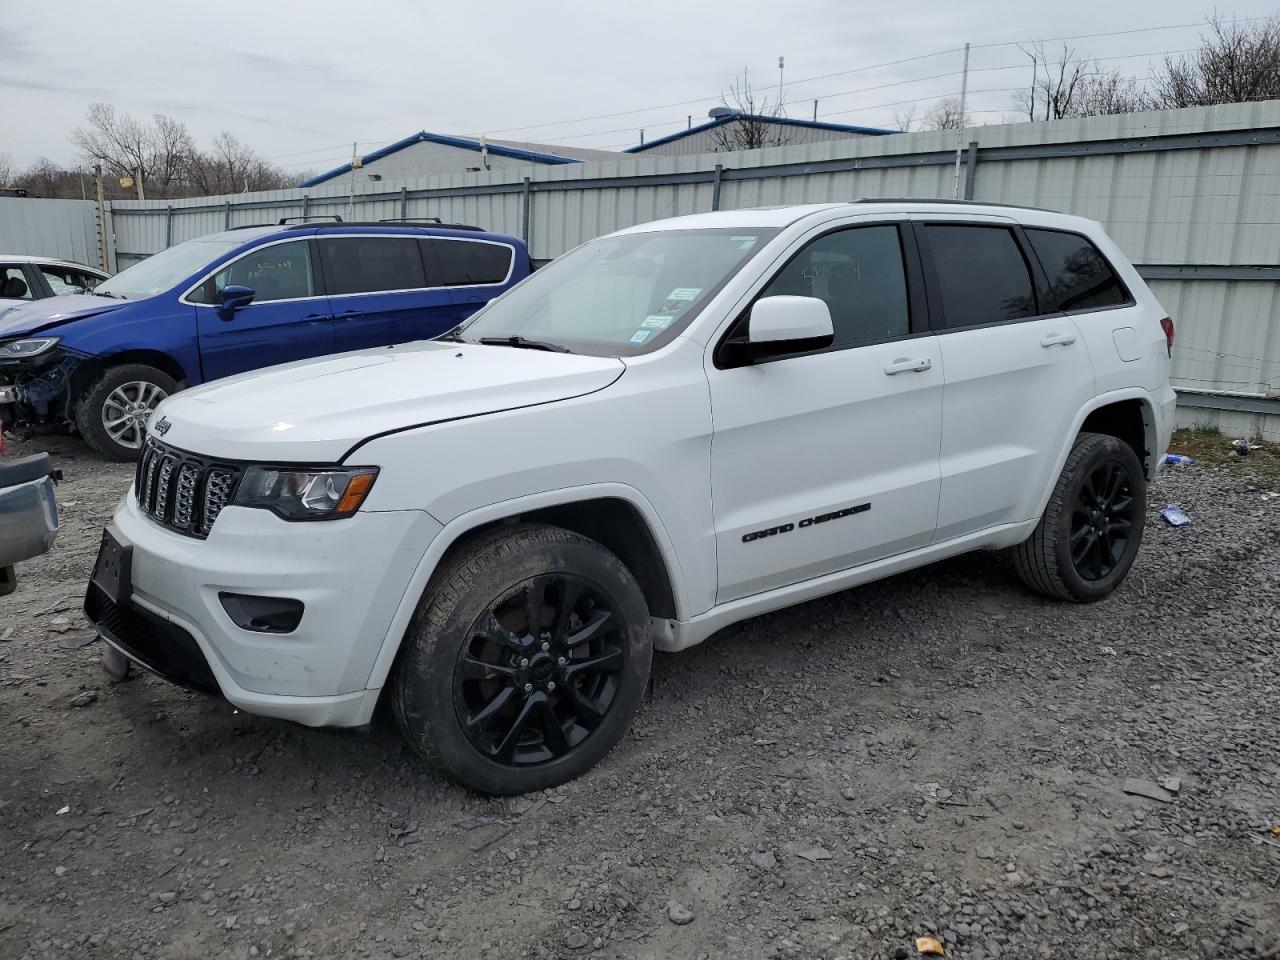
<point x="460" y="526"/>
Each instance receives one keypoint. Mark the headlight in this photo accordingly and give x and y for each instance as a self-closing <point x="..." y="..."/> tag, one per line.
<point x="28" y="348"/>
<point x="316" y="493"/>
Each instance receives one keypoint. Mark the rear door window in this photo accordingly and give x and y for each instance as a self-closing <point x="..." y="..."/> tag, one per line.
<point x="982" y="276"/>
<point x="372" y="264"/>
<point x="1079" y="275"/>
<point x="471" y="262"/>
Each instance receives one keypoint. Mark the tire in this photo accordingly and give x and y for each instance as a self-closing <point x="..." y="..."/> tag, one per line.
<point x="469" y="668"/>
<point x="1067" y="557"/>
<point x="128" y="392"/>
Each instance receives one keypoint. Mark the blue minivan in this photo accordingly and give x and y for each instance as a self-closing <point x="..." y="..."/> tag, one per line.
<point x="237" y="301"/>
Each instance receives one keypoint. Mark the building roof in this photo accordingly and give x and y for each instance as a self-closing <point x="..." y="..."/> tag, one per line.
<point x="779" y="121"/>
<point x="498" y="148"/>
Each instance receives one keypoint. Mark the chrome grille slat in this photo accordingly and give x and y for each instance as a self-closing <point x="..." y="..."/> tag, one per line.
<point x="182" y="491"/>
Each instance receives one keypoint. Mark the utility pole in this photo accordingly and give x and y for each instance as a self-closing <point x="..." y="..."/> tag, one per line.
<point x="355" y="164"/>
<point x="964" y="90"/>
<point x="102" y="219"/>
<point x="137" y="180"/>
<point x="780" y="110"/>
<point x="815" y="110"/>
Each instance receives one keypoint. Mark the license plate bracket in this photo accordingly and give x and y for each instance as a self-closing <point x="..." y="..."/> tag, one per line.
<point x="112" y="571"/>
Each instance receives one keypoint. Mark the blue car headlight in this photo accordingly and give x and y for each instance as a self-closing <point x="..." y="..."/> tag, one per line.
<point x="32" y="347"/>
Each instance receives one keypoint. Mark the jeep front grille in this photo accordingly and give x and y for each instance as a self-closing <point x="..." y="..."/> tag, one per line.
<point x="182" y="491"/>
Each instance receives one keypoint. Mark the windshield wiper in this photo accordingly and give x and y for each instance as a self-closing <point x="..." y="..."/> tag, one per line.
<point x="107" y="293"/>
<point x="515" y="340"/>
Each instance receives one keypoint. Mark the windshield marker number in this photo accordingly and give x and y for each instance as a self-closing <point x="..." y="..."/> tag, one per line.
<point x="806" y="522"/>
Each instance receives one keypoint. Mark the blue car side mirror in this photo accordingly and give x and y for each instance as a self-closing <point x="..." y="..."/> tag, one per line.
<point x="232" y="297"/>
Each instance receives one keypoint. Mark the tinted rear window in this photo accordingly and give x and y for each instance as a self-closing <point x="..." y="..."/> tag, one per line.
<point x="982" y="275"/>
<point x="1079" y="275"/>
<point x="369" y="264"/>
<point x="465" y="262"/>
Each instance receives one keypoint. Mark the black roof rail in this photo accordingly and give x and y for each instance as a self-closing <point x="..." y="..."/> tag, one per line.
<point x="406" y="223"/>
<point x="409" y="220"/>
<point x="286" y="221"/>
<point x="950" y="202"/>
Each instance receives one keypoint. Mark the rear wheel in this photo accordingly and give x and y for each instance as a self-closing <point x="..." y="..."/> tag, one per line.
<point x="1091" y="529"/>
<point x="113" y="413"/>
<point x="525" y="661"/>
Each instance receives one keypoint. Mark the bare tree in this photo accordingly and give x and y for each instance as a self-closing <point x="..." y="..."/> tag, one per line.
<point x="905" y="119"/>
<point x="1066" y="85"/>
<point x="8" y="172"/>
<point x="751" y="128"/>
<point x="1236" y="63"/>
<point x="232" y="166"/>
<point x="945" y="115"/>
<point x="159" y="153"/>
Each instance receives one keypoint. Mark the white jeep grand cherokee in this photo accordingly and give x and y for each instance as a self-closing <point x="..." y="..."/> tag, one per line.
<point x="667" y="430"/>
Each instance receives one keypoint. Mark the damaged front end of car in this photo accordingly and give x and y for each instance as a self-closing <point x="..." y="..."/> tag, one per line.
<point x="37" y="379"/>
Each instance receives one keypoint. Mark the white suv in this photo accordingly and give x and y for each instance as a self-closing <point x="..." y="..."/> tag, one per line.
<point x="667" y="430"/>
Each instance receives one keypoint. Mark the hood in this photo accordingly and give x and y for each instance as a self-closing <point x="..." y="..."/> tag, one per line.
<point x="39" y="315"/>
<point x="314" y="411"/>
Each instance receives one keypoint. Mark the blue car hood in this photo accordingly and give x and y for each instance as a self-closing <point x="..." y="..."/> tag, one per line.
<point x="40" y="315"/>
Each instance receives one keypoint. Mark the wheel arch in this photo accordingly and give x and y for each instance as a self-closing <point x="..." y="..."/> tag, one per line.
<point x="87" y="373"/>
<point x="615" y="515"/>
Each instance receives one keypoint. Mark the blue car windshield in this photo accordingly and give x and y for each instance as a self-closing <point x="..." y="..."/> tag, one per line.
<point x="166" y="269"/>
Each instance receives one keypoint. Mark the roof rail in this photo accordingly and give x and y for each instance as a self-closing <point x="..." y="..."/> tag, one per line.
<point x="949" y="202"/>
<point x="285" y="221"/>
<point x="407" y="222"/>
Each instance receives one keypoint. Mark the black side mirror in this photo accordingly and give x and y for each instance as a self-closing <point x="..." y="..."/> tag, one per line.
<point x="232" y="297"/>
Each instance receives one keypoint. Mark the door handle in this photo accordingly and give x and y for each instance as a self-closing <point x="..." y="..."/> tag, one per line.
<point x="1057" y="339"/>
<point x="908" y="366"/>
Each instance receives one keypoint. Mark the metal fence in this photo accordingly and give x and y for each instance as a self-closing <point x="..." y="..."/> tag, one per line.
<point x="1192" y="196"/>
<point x="67" y="229"/>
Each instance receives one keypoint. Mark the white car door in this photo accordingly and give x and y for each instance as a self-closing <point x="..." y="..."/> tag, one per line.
<point x="824" y="460"/>
<point x="1017" y="371"/>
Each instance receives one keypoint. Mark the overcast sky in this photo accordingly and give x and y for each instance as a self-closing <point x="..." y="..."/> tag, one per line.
<point x="301" y="81"/>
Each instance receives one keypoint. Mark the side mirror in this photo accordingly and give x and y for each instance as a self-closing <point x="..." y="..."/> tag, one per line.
<point x="232" y="297"/>
<point x="782" y="325"/>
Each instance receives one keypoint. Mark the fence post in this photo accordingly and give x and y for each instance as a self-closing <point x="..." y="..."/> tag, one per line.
<point x="525" y="198"/>
<point x="970" y="169"/>
<point x="306" y="202"/>
<point x="168" y="226"/>
<point x="404" y="203"/>
<point x="715" y="188"/>
<point x="226" y="217"/>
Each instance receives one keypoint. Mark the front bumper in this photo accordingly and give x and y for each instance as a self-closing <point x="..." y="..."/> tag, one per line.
<point x="350" y="574"/>
<point x="28" y="520"/>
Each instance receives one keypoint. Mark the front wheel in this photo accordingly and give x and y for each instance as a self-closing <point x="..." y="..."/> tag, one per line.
<point x="113" y="413"/>
<point x="1091" y="529"/>
<point x="525" y="661"/>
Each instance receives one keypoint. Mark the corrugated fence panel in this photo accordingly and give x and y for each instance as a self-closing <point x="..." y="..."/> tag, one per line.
<point x="50" y="228"/>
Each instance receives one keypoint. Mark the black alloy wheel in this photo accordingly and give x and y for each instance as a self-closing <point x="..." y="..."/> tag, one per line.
<point x="540" y="670"/>
<point x="1102" y="520"/>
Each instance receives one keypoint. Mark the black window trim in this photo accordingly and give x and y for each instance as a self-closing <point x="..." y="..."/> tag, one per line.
<point x="37" y="286"/>
<point x="917" y="313"/>
<point x="1130" y="299"/>
<point x="1039" y="282"/>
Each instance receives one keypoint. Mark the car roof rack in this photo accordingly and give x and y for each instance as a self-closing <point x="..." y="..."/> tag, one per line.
<point x="407" y="222"/>
<point x="286" y="221"/>
<point x="950" y="202"/>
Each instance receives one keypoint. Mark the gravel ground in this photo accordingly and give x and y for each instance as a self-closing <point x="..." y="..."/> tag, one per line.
<point x="940" y="754"/>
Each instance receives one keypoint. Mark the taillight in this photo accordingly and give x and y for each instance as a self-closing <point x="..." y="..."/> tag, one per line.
<point x="1167" y="326"/>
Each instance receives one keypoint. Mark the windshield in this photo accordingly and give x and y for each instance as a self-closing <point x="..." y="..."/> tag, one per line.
<point x="620" y="296"/>
<point x="166" y="269"/>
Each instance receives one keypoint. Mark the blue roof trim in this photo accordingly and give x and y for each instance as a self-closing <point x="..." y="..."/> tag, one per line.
<point x="782" y="121"/>
<point x="422" y="136"/>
